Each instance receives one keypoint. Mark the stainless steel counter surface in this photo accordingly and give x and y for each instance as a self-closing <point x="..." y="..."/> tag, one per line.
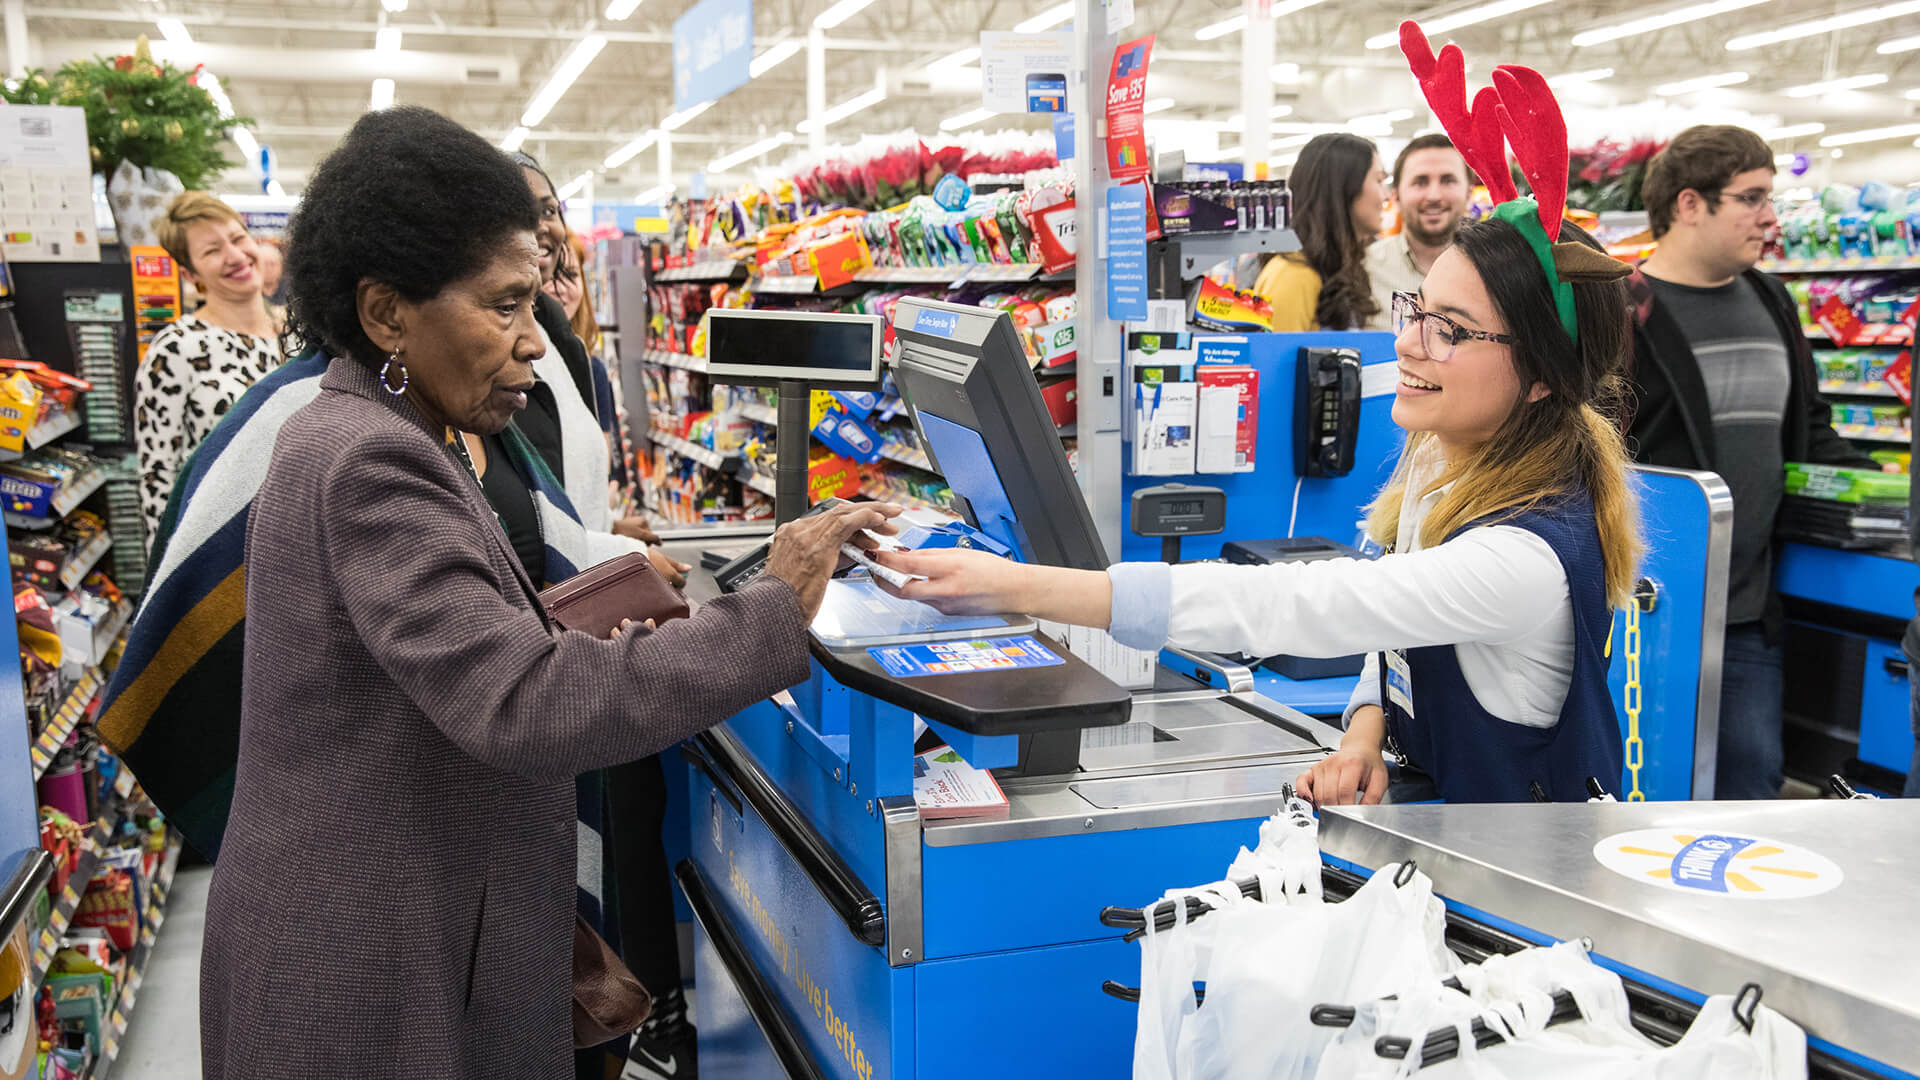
<point x="1814" y="901"/>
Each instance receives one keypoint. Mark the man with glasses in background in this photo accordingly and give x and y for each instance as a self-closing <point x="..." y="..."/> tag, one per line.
<point x="1723" y="380"/>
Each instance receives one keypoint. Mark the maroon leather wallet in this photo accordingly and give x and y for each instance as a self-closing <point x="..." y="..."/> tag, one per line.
<point x="595" y="601"/>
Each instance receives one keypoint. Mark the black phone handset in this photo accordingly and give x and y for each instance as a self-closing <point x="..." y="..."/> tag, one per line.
<point x="1326" y="411"/>
<point x="744" y="570"/>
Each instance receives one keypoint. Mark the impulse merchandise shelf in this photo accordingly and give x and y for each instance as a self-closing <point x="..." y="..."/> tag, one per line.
<point x="48" y="941"/>
<point x="710" y="459"/>
<point x="759" y="414"/>
<point x="82" y="561"/>
<point x="1200" y="252"/>
<point x="66" y="502"/>
<point x="709" y="270"/>
<point x="1838" y="266"/>
<point x="1871" y="433"/>
<point x="951" y="277"/>
<point x="1883" y="335"/>
<point x="682" y="361"/>
<point x="136" y="967"/>
<point x="1858" y="389"/>
<point x="44" y="432"/>
<point x="79" y="700"/>
<point x="915" y="459"/>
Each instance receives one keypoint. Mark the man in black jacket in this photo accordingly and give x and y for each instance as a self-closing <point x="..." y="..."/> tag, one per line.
<point x="1724" y="380"/>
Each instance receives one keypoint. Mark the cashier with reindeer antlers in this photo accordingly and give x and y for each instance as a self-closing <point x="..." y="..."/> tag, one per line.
<point x="1513" y="531"/>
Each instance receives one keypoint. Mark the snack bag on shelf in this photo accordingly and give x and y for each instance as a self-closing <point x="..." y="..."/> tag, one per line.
<point x="1227" y="310"/>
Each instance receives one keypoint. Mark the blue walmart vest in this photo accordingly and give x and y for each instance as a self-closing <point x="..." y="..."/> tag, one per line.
<point x="1476" y="757"/>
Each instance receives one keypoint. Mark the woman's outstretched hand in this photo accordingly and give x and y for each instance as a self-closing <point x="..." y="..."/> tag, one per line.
<point x="960" y="581"/>
<point x="806" y="550"/>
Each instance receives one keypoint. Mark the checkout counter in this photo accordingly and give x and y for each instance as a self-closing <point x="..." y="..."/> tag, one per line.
<point x="838" y="934"/>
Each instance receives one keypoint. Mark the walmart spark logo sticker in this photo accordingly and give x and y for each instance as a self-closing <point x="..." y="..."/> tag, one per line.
<point x="1718" y="864"/>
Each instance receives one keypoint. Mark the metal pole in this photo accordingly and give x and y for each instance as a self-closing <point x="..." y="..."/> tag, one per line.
<point x="1098" y="339"/>
<point x="790" y="452"/>
<point x="816" y="88"/>
<point x="18" y="59"/>
<point x="1256" y="86"/>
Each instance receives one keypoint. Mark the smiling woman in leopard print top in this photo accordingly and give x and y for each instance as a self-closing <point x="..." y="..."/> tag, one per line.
<point x="198" y="366"/>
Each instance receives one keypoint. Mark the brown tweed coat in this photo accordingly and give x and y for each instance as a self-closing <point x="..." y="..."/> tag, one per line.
<point x="396" y="893"/>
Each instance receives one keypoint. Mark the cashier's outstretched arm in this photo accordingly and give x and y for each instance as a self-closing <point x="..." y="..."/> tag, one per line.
<point x="966" y="582"/>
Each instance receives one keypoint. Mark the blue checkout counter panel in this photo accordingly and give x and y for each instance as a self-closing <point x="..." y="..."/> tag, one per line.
<point x="1849" y="610"/>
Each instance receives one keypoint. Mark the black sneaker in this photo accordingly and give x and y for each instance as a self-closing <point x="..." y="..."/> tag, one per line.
<point x="666" y="1046"/>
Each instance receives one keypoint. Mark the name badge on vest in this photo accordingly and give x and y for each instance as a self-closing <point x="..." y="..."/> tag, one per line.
<point x="1399" y="681"/>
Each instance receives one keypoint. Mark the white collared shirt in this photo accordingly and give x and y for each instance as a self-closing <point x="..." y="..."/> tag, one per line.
<point x="1496" y="592"/>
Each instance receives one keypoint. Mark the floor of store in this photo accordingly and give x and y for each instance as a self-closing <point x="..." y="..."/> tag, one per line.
<point x="163" y="1041"/>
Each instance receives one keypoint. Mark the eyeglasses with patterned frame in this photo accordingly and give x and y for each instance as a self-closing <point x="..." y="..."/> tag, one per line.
<point x="1439" y="335"/>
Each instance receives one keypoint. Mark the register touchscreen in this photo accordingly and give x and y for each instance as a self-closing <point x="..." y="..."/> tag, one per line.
<point x="822" y="348"/>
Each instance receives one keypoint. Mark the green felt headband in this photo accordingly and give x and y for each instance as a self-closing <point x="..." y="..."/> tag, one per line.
<point x="1524" y="215"/>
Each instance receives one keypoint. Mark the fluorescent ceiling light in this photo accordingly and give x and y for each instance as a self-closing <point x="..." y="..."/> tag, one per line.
<point x="680" y="119"/>
<point x="1392" y="117"/>
<point x="773" y="58"/>
<point x="1478" y="14"/>
<point x="571" y="67"/>
<point x="274" y="189"/>
<point x="1830" y="86"/>
<point x="1827" y="25"/>
<point x="1284" y="161"/>
<point x="1793" y="131"/>
<point x="382" y="94"/>
<point x="1286" y="73"/>
<point x="1912" y="95"/>
<point x="965" y="119"/>
<point x="1291" y="141"/>
<point x="1239" y="22"/>
<point x="514" y="139"/>
<point x="629" y="151"/>
<point x="1279" y="111"/>
<point x="1157" y="105"/>
<point x="387" y="39"/>
<point x="654" y="194"/>
<point x="850" y="106"/>
<point x="1704" y="82"/>
<point x="749" y="152"/>
<point x="1222" y="28"/>
<point x="1573" y="78"/>
<point x="618" y="10"/>
<point x="395" y="6"/>
<point x="211" y="84"/>
<point x="839" y="13"/>
<point x="174" y="30"/>
<point x="1649" y="23"/>
<point x="1229" y="154"/>
<point x="1879" y="134"/>
<point x="1300" y="127"/>
<point x="573" y="186"/>
<point x="1781" y="161"/>
<point x="1046" y="20"/>
<point x="1898" y="45"/>
<point x="249" y="147"/>
<point x="960" y="59"/>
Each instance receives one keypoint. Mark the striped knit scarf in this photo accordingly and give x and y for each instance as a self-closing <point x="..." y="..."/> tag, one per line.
<point x="172" y="708"/>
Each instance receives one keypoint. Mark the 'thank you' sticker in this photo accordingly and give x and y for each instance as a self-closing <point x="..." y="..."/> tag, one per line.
<point x="1718" y="864"/>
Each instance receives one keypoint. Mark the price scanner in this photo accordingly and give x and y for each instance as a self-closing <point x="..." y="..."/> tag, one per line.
<point x="851" y="931"/>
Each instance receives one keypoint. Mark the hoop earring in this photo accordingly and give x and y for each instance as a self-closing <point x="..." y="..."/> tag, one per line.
<point x="392" y="362"/>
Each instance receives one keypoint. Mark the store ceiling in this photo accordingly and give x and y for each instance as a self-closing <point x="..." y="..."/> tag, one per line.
<point x="303" y="70"/>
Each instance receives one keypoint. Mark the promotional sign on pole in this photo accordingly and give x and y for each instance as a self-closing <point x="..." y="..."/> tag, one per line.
<point x="1028" y="73"/>
<point x="1126" y="95"/>
<point x="712" y="51"/>
<point x="1127" y="252"/>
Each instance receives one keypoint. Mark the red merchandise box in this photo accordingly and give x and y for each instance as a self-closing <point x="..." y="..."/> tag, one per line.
<point x="1062" y="396"/>
<point x="1228" y="430"/>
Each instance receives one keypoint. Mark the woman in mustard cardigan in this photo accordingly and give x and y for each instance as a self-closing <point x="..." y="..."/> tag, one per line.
<point x="1339" y="192"/>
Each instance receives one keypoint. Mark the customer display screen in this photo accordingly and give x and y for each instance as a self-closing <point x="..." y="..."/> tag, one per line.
<point x="836" y="349"/>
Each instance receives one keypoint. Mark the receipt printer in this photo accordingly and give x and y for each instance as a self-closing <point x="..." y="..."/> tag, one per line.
<point x="1288" y="550"/>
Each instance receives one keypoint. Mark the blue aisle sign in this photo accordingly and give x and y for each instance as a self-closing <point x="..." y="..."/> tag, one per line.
<point x="1063" y="136"/>
<point x="1127" y="252"/>
<point x="712" y="51"/>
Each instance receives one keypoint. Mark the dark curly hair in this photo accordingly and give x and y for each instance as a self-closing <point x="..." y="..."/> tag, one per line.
<point x="409" y="199"/>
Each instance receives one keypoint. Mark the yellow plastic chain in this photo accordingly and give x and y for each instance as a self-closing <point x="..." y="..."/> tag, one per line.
<point x="1636" y="748"/>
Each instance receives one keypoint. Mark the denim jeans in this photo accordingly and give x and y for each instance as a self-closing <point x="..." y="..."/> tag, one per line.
<point x="1751" y="684"/>
<point x="1913" y="771"/>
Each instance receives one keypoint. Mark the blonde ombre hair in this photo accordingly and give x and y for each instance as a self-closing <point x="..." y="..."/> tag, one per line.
<point x="1567" y="440"/>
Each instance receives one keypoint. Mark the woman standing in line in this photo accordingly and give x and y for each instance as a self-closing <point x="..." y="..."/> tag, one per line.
<point x="1339" y="196"/>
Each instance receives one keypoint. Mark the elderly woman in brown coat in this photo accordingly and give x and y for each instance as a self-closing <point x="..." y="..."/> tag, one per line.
<point x="395" y="894"/>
